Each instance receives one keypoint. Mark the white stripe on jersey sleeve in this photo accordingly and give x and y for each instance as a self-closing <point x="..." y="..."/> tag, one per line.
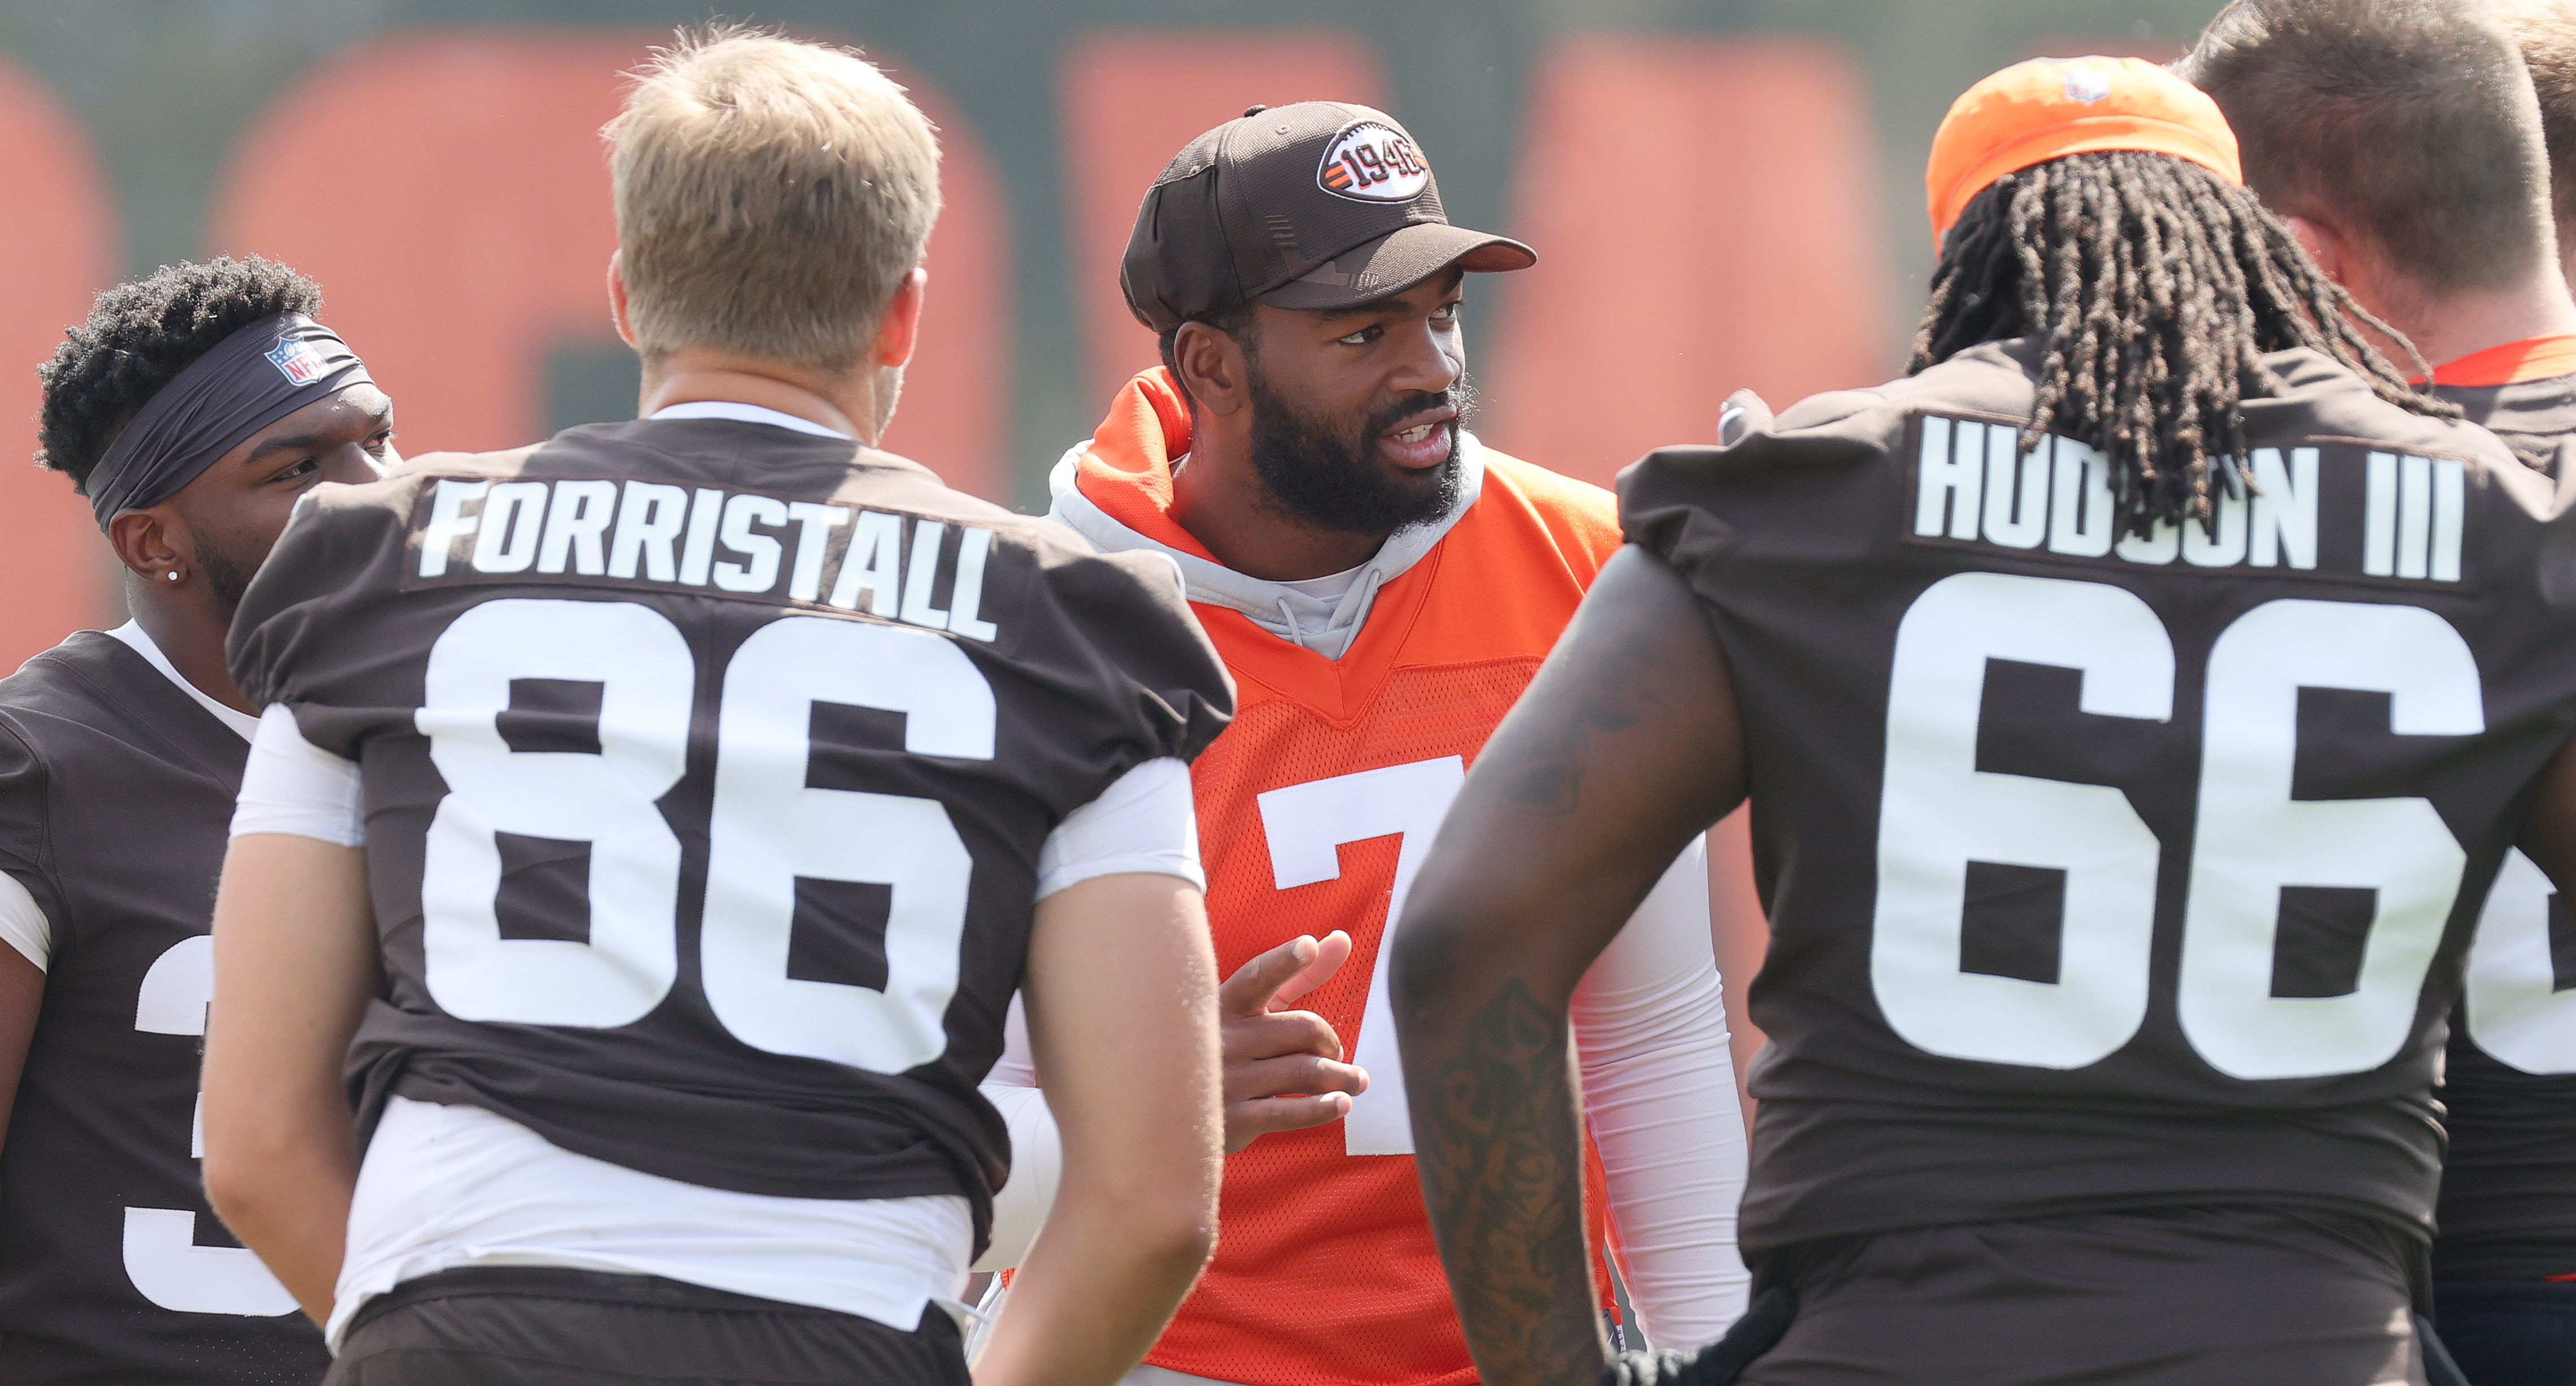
<point x="294" y="787"/>
<point x="23" y="924"/>
<point x="1146" y="823"/>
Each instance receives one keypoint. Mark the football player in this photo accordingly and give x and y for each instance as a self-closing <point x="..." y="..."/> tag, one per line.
<point x="2404" y="145"/>
<point x="2401" y="141"/>
<point x="193" y="408"/>
<point x="2138" y="699"/>
<point x="659" y="820"/>
<point x="1382" y="586"/>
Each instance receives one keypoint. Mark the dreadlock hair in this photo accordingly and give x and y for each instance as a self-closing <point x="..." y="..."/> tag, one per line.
<point x="138" y="337"/>
<point x="2153" y="288"/>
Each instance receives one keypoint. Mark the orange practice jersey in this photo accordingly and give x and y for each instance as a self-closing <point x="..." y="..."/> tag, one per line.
<point x="1314" y="808"/>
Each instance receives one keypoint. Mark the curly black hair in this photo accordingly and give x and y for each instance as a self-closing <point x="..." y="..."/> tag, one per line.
<point x="138" y="337"/>
<point x="2153" y="288"/>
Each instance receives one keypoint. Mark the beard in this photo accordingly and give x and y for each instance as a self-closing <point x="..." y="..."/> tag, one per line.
<point x="227" y="575"/>
<point x="1332" y="478"/>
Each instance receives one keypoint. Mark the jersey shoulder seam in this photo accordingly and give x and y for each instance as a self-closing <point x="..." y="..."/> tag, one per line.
<point x="43" y="862"/>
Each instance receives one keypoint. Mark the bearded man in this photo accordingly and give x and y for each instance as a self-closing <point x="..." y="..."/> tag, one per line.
<point x="1382" y="587"/>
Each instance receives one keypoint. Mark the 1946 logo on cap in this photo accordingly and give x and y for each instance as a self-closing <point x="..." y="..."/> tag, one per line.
<point x="1373" y="163"/>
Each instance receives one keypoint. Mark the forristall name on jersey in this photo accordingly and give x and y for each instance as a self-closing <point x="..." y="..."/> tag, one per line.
<point x="744" y="544"/>
<point x="2327" y="508"/>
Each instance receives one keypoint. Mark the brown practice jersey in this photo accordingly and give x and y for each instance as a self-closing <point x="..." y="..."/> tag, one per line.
<point x="2508" y="1206"/>
<point x="706" y="770"/>
<point x="2114" y="872"/>
<point x="2534" y="417"/>
<point x="115" y="792"/>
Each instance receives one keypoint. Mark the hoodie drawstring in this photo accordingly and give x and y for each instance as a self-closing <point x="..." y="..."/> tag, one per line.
<point x="1288" y="616"/>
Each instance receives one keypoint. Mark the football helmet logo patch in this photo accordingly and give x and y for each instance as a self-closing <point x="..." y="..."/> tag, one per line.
<point x="297" y="360"/>
<point x="1368" y="162"/>
<point x="2086" y="85"/>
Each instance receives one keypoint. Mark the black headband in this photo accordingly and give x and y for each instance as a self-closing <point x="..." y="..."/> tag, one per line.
<point x="250" y="380"/>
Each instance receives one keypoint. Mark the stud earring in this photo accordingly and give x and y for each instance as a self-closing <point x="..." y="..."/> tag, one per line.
<point x="172" y="575"/>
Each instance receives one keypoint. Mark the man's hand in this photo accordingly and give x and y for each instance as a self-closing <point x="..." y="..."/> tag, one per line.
<point x="1283" y="1068"/>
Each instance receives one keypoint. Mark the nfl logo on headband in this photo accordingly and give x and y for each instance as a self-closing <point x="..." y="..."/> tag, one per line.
<point x="221" y="398"/>
<point x="297" y="360"/>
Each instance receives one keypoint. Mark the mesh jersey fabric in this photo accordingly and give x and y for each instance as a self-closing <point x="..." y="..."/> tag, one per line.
<point x="2535" y="417"/>
<point x="2508" y="1202"/>
<point x="707" y="768"/>
<point x="115" y="791"/>
<point x="1325" y="1271"/>
<point x="1954" y="1034"/>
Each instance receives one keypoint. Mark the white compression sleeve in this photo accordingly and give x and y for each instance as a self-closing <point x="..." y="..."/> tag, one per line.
<point x="294" y="787"/>
<point x="23" y="925"/>
<point x="1037" y="1152"/>
<point x="1659" y="1094"/>
<point x="1144" y="823"/>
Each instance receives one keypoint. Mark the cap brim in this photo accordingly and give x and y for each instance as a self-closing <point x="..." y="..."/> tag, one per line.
<point x="1396" y="262"/>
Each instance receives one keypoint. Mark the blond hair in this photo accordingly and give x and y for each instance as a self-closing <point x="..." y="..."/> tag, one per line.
<point x="771" y="197"/>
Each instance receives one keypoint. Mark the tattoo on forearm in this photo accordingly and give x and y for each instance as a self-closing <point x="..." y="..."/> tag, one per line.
<point x="1505" y="1183"/>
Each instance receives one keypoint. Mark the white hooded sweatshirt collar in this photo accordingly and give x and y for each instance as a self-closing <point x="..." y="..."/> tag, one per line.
<point x="1327" y="628"/>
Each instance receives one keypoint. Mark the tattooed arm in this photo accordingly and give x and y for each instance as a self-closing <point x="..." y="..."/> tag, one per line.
<point x="1624" y="748"/>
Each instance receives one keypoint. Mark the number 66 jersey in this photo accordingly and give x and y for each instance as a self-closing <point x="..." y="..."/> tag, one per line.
<point x="2114" y="872"/>
<point x="709" y="773"/>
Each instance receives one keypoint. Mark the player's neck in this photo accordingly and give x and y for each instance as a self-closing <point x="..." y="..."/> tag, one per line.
<point x="844" y="403"/>
<point x="2447" y="327"/>
<point x="190" y="631"/>
<point x="1220" y="498"/>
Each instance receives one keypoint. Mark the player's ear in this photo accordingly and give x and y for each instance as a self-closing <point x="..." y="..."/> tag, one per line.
<point x="900" y="328"/>
<point x="617" y="298"/>
<point x="2324" y="246"/>
<point x="152" y="544"/>
<point x="1212" y="368"/>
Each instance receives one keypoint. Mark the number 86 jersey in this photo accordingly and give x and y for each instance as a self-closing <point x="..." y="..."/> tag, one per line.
<point x="2104" y="871"/>
<point x="706" y="773"/>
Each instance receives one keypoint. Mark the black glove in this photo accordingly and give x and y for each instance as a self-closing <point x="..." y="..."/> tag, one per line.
<point x="1721" y="1362"/>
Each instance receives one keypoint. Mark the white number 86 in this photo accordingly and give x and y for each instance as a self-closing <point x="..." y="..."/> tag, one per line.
<point x="767" y="829"/>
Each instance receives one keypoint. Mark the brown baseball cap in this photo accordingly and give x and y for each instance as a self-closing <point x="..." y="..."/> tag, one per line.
<point x="1318" y="205"/>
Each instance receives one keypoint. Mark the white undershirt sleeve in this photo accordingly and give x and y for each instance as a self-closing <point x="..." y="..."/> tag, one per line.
<point x="294" y="787"/>
<point x="1037" y="1152"/>
<point x="1659" y="1094"/>
<point x="1144" y="823"/>
<point x="23" y="924"/>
